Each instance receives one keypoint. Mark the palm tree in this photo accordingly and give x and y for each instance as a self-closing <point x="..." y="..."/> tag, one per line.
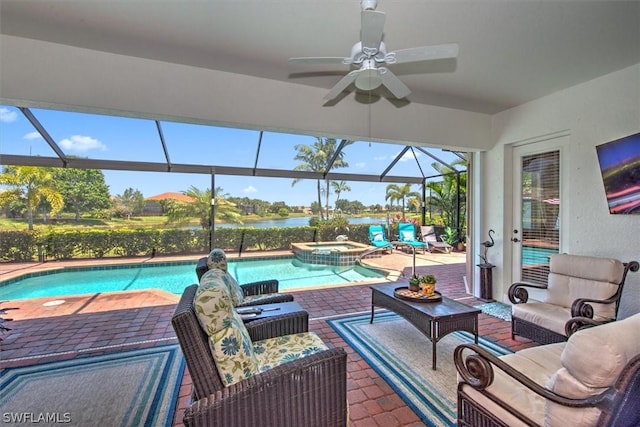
<point x="339" y="187"/>
<point x="316" y="158"/>
<point x="200" y="207"/>
<point x="33" y="185"/>
<point x="444" y="194"/>
<point x="397" y="192"/>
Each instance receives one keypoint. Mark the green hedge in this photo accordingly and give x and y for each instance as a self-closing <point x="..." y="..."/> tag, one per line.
<point x="19" y="246"/>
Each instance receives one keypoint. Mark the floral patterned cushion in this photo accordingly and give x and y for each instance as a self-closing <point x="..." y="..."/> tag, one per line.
<point x="217" y="259"/>
<point x="229" y="340"/>
<point x="215" y="274"/>
<point x="276" y="351"/>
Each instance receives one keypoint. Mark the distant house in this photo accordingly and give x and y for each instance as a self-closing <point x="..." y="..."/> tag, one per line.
<point x="155" y="205"/>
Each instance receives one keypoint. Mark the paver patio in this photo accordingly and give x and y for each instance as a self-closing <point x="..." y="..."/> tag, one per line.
<point x="106" y="322"/>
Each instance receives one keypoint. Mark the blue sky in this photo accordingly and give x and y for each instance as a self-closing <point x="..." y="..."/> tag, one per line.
<point x="119" y="138"/>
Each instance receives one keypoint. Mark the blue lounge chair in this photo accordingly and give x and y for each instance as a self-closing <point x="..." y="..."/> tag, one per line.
<point x="407" y="236"/>
<point x="378" y="239"/>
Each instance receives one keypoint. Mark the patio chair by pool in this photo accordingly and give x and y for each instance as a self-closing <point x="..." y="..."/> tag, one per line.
<point x="407" y="236"/>
<point x="430" y="237"/>
<point x="271" y="372"/>
<point x="378" y="239"/>
<point x="253" y="293"/>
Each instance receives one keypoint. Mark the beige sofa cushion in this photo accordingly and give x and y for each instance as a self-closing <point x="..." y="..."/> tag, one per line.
<point x="538" y="363"/>
<point x="591" y="361"/>
<point x="548" y="316"/>
<point x="575" y="276"/>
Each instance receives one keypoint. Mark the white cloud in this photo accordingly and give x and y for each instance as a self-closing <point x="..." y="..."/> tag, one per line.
<point x="250" y="189"/>
<point x="361" y="165"/>
<point x="408" y="155"/>
<point x="32" y="135"/>
<point x="82" y="143"/>
<point x="7" y="116"/>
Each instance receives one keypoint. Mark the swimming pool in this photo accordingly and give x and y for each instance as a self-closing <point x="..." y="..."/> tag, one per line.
<point x="534" y="256"/>
<point x="174" y="277"/>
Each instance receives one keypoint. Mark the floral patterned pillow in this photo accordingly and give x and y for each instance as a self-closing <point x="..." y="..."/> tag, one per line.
<point x="217" y="259"/>
<point x="229" y="341"/>
<point x="215" y="275"/>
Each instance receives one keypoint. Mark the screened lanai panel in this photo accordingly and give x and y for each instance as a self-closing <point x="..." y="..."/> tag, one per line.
<point x="373" y="158"/>
<point x="435" y="162"/>
<point x="376" y="157"/>
<point x="19" y="137"/>
<point x="304" y="192"/>
<point x="210" y="145"/>
<point x="103" y="137"/>
<point x="278" y="150"/>
<point x="154" y="183"/>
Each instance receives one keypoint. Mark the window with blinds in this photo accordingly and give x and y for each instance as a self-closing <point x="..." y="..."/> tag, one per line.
<point x="540" y="214"/>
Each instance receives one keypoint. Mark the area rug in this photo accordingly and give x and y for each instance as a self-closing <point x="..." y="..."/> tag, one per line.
<point x="496" y="309"/>
<point x="131" y="388"/>
<point x="401" y="355"/>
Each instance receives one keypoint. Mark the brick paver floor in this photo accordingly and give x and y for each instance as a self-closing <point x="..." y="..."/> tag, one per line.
<point x="104" y="322"/>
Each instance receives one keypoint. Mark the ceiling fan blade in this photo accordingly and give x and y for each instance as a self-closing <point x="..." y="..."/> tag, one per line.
<point x="424" y="53"/>
<point x="342" y="84"/>
<point x="372" y="27"/>
<point x="319" y="60"/>
<point x="394" y="84"/>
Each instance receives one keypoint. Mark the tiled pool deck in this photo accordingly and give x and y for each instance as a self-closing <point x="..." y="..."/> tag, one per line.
<point x="106" y="322"/>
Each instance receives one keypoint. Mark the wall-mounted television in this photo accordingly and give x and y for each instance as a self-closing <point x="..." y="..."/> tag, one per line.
<point x="620" y="168"/>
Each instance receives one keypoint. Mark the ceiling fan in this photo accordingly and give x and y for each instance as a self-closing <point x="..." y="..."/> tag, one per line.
<point x="369" y="56"/>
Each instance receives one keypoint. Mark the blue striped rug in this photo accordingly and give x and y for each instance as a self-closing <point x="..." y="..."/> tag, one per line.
<point x="401" y="355"/>
<point x="129" y="388"/>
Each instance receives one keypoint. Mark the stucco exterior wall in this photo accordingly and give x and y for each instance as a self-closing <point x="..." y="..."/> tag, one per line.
<point x="576" y="119"/>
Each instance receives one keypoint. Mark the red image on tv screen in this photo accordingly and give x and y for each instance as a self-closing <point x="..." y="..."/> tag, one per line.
<point x="620" y="168"/>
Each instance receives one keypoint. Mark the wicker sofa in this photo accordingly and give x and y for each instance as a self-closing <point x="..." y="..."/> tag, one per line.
<point x="593" y="379"/>
<point x="578" y="286"/>
<point x="253" y="293"/>
<point x="306" y="391"/>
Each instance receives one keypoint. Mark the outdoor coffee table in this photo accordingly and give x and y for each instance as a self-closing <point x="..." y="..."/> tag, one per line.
<point x="434" y="319"/>
<point x="255" y="312"/>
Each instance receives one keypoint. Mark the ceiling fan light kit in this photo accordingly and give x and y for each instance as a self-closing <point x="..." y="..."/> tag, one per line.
<point x="368" y="78"/>
<point x="369" y="56"/>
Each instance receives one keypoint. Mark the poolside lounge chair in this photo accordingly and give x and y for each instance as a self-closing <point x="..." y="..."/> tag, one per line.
<point x="253" y="293"/>
<point x="278" y="375"/>
<point x="407" y="236"/>
<point x="378" y="239"/>
<point x="430" y="237"/>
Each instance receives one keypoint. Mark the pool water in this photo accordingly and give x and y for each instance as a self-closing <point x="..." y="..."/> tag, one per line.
<point x="175" y="277"/>
<point x="535" y="256"/>
<point x="293" y="273"/>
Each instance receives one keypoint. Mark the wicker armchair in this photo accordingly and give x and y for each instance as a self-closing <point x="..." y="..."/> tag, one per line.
<point x="310" y="391"/>
<point x="256" y="293"/>
<point x="578" y="286"/>
<point x="555" y="384"/>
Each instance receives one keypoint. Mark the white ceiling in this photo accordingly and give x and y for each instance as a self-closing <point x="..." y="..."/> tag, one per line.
<point x="511" y="51"/>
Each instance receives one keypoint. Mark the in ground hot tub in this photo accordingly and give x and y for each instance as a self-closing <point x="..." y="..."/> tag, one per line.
<point x="330" y="253"/>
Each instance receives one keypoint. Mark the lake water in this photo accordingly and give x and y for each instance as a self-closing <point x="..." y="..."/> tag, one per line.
<point x="300" y="222"/>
